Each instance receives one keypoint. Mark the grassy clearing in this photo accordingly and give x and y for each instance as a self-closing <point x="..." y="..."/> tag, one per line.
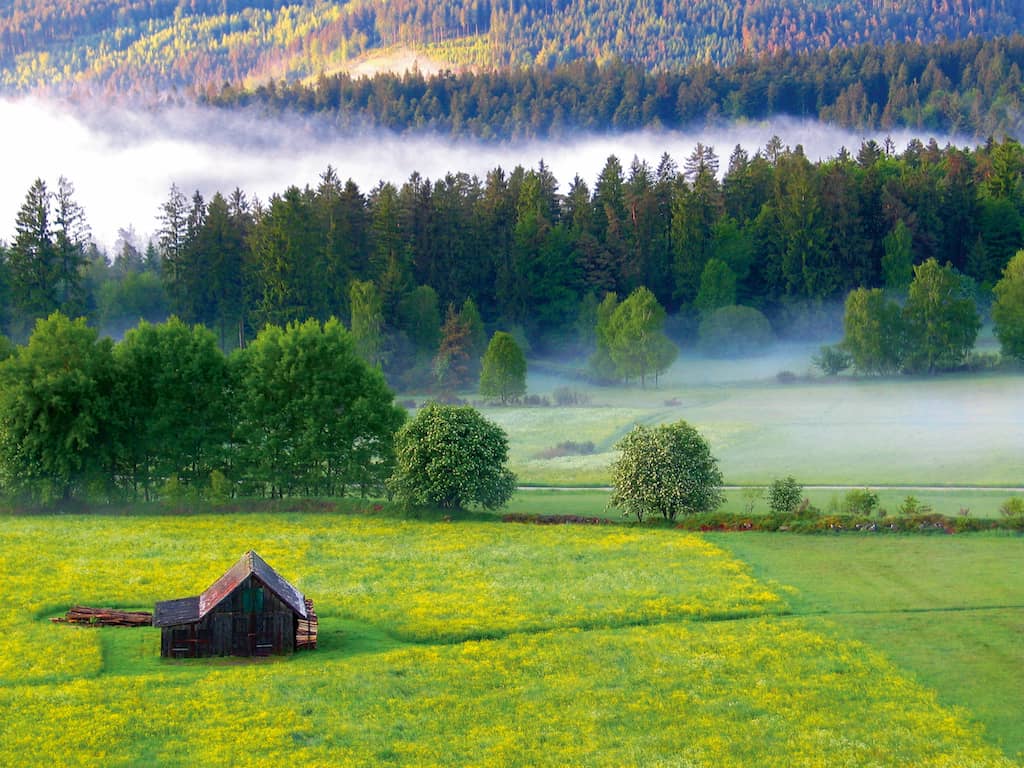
<point x="950" y="610"/>
<point x="949" y="430"/>
<point x="609" y="646"/>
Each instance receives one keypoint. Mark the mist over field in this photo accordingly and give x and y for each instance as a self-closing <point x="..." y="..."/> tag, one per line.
<point x="123" y="162"/>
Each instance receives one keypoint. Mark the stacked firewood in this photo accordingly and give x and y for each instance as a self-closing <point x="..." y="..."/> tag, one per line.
<point x="307" y="628"/>
<point x="105" y="617"/>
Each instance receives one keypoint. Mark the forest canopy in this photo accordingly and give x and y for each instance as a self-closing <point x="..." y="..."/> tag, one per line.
<point x="970" y="86"/>
<point x="425" y="265"/>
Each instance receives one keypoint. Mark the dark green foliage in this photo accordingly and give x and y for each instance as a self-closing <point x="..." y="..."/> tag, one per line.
<point x="173" y="393"/>
<point x="513" y="253"/>
<point x="452" y="457"/>
<point x="44" y="264"/>
<point x="58" y="412"/>
<point x="785" y="495"/>
<point x="735" y="331"/>
<point x="666" y="470"/>
<point x="968" y="85"/>
<point x="504" y="369"/>
<point x="314" y="418"/>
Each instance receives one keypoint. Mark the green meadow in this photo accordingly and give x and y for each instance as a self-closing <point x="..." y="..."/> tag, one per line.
<point x="472" y="642"/>
<point x="461" y="640"/>
<point x="951" y="430"/>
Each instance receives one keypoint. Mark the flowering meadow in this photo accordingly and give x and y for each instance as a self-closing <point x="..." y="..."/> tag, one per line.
<point x="463" y="643"/>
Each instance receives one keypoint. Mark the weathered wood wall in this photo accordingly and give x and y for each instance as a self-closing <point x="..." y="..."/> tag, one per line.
<point x="251" y="621"/>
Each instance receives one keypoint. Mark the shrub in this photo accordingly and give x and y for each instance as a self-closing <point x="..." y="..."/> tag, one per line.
<point x="785" y="495"/>
<point x="911" y="507"/>
<point x="564" y="396"/>
<point x="860" y="502"/>
<point x="452" y="457"/>
<point x="1012" y="507"/>
<point x="832" y="360"/>
<point x="734" y="331"/>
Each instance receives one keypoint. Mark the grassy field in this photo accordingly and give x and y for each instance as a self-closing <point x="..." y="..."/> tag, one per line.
<point x="950" y="610"/>
<point x="592" y="503"/>
<point x="461" y="643"/>
<point x="949" y="430"/>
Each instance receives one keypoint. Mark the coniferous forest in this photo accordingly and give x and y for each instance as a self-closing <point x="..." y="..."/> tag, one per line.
<point x="969" y="86"/>
<point x="101" y="47"/>
<point x="526" y="252"/>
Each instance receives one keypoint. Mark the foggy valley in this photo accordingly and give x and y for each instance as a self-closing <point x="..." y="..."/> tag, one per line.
<point x="123" y="162"/>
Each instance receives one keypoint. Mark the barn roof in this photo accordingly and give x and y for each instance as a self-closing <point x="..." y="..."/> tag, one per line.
<point x="190" y="609"/>
<point x="251" y="564"/>
<point x="168" y="613"/>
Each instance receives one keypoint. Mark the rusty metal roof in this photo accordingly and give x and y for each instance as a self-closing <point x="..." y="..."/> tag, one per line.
<point x="251" y="564"/>
<point x="169" y="613"/>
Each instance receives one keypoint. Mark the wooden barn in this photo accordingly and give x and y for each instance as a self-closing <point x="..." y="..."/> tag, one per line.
<point x="249" y="611"/>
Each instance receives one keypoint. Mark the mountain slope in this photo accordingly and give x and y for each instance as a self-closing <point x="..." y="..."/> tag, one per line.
<point x="154" y="46"/>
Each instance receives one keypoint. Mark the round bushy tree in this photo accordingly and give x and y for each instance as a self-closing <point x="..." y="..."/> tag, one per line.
<point x="785" y="495"/>
<point x="665" y="470"/>
<point x="452" y="457"/>
<point x="734" y="331"/>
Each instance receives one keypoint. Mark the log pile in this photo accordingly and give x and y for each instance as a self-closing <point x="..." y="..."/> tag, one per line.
<point x="105" y="617"/>
<point x="306" y="629"/>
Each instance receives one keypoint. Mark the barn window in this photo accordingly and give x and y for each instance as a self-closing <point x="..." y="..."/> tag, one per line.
<point x="252" y="600"/>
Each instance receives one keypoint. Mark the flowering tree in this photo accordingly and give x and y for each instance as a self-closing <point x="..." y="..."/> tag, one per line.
<point x="451" y="457"/>
<point x="665" y="470"/>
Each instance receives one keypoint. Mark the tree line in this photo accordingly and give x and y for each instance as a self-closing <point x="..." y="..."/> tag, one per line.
<point x="413" y="265"/>
<point x="969" y="86"/>
<point x="165" y="414"/>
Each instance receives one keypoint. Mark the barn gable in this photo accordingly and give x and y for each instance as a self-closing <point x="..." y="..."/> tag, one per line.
<point x="251" y="564"/>
<point x="250" y="610"/>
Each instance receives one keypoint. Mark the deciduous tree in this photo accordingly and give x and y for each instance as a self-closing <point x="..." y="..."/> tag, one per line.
<point x="873" y="331"/>
<point x="452" y="457"/>
<point x="314" y="417"/>
<point x="57" y="411"/>
<point x="1008" y="308"/>
<point x="941" y="320"/>
<point x="504" y="369"/>
<point x="666" y="470"/>
<point x="637" y="344"/>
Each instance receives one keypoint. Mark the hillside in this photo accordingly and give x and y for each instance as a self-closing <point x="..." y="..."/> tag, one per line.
<point x="147" y="47"/>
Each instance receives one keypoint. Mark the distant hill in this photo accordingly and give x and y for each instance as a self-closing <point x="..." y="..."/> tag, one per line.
<point x="159" y="47"/>
<point x="972" y="86"/>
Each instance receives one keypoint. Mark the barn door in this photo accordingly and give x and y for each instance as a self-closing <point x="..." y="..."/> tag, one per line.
<point x="241" y="636"/>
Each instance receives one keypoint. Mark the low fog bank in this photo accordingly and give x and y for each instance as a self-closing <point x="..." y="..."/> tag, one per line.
<point x="123" y="162"/>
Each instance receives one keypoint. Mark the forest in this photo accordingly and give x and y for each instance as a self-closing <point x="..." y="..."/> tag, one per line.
<point x="532" y="254"/>
<point x="969" y="87"/>
<point x="144" y="47"/>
